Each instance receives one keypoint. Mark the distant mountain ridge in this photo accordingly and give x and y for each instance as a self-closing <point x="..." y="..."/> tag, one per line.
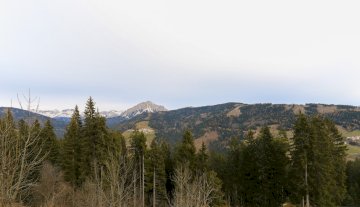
<point x="137" y="110"/>
<point x="144" y="107"/>
<point x="216" y="125"/>
<point x="67" y="113"/>
<point x="60" y="118"/>
<point x="59" y="125"/>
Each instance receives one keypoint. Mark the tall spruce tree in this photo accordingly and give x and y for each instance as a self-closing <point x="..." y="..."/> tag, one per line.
<point x="353" y="183"/>
<point x="71" y="151"/>
<point x="95" y="141"/>
<point x="317" y="163"/>
<point x="185" y="151"/>
<point x="51" y="144"/>
<point x="138" y="146"/>
<point x="263" y="171"/>
<point x="202" y="157"/>
<point x="155" y="177"/>
<point x="231" y="173"/>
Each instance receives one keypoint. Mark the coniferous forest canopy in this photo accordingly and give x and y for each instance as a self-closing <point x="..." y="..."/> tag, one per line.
<point x="95" y="166"/>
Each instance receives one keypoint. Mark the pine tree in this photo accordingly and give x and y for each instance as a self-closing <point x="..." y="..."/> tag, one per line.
<point x="138" y="146"/>
<point x="202" y="157"/>
<point x="169" y="167"/>
<point x="232" y="173"/>
<point x="71" y="154"/>
<point x="185" y="151"/>
<point x="317" y="162"/>
<point x="353" y="183"/>
<point x="263" y="170"/>
<point x="96" y="141"/>
<point x="338" y="157"/>
<point x="155" y="177"/>
<point x="51" y="145"/>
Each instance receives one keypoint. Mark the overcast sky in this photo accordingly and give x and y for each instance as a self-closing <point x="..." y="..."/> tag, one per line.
<point x="179" y="53"/>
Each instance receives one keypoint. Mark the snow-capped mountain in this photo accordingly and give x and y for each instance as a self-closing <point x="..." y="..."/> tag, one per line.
<point x="67" y="113"/>
<point x="111" y="113"/>
<point x="144" y="107"/>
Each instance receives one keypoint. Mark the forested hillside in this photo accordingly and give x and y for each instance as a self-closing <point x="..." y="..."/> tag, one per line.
<point x="95" y="166"/>
<point x="18" y="114"/>
<point x="215" y="125"/>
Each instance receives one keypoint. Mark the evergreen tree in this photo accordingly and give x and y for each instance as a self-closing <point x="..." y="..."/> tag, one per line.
<point x="169" y="167"/>
<point x="185" y="152"/>
<point x="155" y="177"/>
<point x="96" y="141"/>
<point x="353" y="183"/>
<point x="138" y="146"/>
<point x="202" y="159"/>
<point x="231" y="175"/>
<point x="71" y="150"/>
<point x="338" y="159"/>
<point x="51" y="145"/>
<point x="138" y="143"/>
<point x="263" y="171"/>
<point x="317" y="162"/>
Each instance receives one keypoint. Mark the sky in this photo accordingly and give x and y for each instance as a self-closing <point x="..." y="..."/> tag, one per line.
<point x="179" y="53"/>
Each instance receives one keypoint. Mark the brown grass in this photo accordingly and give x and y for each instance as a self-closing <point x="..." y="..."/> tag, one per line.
<point x="235" y="112"/>
<point x="326" y="109"/>
<point x="297" y="109"/>
<point x="207" y="138"/>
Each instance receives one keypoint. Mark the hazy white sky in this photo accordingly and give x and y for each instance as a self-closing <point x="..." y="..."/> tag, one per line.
<point x="180" y="53"/>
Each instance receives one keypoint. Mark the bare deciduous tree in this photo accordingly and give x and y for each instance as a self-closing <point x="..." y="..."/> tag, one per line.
<point x="21" y="154"/>
<point x="112" y="185"/>
<point x="52" y="190"/>
<point x="193" y="190"/>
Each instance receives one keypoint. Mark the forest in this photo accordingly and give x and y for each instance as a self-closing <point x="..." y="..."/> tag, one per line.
<point x="95" y="166"/>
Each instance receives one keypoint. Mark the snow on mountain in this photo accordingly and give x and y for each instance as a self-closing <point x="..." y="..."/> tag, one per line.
<point x="67" y="113"/>
<point x="144" y="107"/>
<point x="111" y="113"/>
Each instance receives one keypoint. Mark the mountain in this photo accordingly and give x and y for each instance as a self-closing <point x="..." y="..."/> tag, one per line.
<point x="60" y="118"/>
<point x="65" y="115"/>
<point x="111" y="113"/>
<point x="213" y="125"/>
<point x="139" y="109"/>
<point x="216" y="125"/>
<point x="144" y="107"/>
<point x="59" y="125"/>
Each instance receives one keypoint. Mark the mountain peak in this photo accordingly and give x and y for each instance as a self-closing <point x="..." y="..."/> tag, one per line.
<point x="143" y="107"/>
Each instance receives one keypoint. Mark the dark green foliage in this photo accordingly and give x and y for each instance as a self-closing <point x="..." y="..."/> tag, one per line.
<point x="319" y="148"/>
<point x="71" y="150"/>
<point x="263" y="178"/>
<point x="138" y="143"/>
<point x="97" y="144"/>
<point x="170" y="125"/>
<point x="20" y="114"/>
<point x="201" y="161"/>
<point x="169" y="167"/>
<point x="185" y="151"/>
<point x="254" y="171"/>
<point x="353" y="183"/>
<point x="155" y="165"/>
<point x="228" y="169"/>
<point x="51" y="144"/>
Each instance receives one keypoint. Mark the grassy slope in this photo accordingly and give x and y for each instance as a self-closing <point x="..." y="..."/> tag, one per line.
<point x="149" y="133"/>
